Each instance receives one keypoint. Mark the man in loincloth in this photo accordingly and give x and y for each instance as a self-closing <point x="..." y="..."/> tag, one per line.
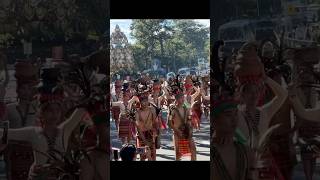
<point x="193" y="98"/>
<point x="147" y="125"/>
<point x="180" y="122"/>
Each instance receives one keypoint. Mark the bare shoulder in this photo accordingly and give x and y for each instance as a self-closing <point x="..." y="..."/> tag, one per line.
<point x="152" y="109"/>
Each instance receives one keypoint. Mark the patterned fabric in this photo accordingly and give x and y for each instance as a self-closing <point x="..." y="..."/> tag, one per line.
<point x="125" y="127"/>
<point x="253" y="122"/>
<point x="51" y="144"/>
<point x="149" y="138"/>
<point x="115" y="112"/>
<point x="184" y="147"/>
<point x="196" y="115"/>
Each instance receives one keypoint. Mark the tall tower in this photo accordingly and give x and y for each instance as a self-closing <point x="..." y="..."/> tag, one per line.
<point x="120" y="53"/>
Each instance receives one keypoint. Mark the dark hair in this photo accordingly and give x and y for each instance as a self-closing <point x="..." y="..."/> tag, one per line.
<point x="127" y="152"/>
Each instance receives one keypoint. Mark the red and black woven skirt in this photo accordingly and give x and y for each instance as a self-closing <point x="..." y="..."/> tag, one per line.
<point x="125" y="127"/>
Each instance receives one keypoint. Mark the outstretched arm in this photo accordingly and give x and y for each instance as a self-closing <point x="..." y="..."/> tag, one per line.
<point x="70" y="124"/>
<point x="20" y="134"/>
<point x="280" y="96"/>
<point x="117" y="103"/>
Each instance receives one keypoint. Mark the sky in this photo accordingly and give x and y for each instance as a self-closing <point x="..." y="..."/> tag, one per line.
<point x="124" y="25"/>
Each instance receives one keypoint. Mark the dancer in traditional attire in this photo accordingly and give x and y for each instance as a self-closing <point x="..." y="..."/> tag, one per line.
<point x="50" y="136"/>
<point x="193" y="101"/>
<point x="254" y="120"/>
<point x="230" y="158"/>
<point x="180" y="121"/>
<point x="126" y="125"/>
<point x="147" y="125"/>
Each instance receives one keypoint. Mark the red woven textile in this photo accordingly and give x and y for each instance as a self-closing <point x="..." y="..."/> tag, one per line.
<point x="184" y="148"/>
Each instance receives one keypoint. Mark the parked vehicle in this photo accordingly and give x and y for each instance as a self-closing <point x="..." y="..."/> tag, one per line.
<point x="184" y="72"/>
<point x="170" y="75"/>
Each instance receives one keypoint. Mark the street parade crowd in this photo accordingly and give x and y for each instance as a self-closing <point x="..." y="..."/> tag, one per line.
<point x="265" y="111"/>
<point x="57" y="128"/>
<point x="143" y="108"/>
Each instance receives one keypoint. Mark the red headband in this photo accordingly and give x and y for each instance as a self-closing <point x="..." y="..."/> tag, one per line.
<point x="188" y="85"/>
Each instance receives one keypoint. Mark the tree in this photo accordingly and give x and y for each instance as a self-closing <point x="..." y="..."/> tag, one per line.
<point x="150" y="32"/>
<point x="177" y="43"/>
<point x="193" y="34"/>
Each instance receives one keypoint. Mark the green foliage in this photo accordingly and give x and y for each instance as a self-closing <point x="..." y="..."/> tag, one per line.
<point x="177" y="43"/>
<point x="79" y="19"/>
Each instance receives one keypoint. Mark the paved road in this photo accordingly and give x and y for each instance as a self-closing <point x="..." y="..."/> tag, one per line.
<point x="166" y="152"/>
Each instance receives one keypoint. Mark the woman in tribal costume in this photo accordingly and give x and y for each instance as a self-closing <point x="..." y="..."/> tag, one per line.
<point x="254" y="121"/>
<point x="193" y="101"/>
<point x="231" y="160"/>
<point x="125" y="126"/>
<point x="308" y="133"/>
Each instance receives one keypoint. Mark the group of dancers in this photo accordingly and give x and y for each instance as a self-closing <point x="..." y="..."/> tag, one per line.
<point x="141" y="109"/>
<point x="55" y="132"/>
<point x="260" y="115"/>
